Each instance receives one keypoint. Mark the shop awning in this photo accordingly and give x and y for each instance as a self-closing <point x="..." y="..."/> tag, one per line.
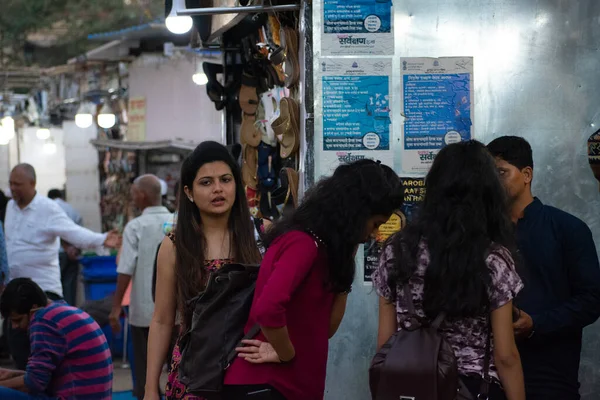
<point x="170" y="146"/>
<point x="154" y="29"/>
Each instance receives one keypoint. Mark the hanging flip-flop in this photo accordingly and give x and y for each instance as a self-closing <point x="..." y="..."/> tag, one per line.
<point x="287" y="127"/>
<point x="291" y="66"/>
<point x="290" y="178"/>
<point x="249" y="134"/>
<point x="249" y="166"/>
<point x="248" y="97"/>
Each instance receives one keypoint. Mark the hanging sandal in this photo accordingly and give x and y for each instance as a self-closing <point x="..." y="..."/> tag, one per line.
<point x="292" y="63"/>
<point x="287" y="127"/>
<point x="248" y="97"/>
<point x="249" y="134"/>
<point x="290" y="178"/>
<point x="249" y="166"/>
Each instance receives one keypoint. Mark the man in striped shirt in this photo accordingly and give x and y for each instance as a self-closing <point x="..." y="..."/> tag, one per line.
<point x="70" y="358"/>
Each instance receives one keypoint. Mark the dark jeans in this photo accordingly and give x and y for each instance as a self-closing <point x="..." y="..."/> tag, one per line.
<point x="139" y="340"/>
<point x="251" y="392"/>
<point x="69" y="272"/>
<point x="474" y="384"/>
<point x="18" y="341"/>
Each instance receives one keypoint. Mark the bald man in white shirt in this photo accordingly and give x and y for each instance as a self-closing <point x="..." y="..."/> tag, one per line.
<point x="34" y="225"/>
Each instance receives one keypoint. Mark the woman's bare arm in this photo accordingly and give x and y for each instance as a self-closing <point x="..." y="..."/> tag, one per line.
<point x="163" y="320"/>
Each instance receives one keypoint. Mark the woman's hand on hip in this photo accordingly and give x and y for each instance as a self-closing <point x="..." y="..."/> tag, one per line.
<point x="258" y="352"/>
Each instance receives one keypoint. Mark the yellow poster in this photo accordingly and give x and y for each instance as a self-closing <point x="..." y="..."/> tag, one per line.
<point x="393" y="225"/>
<point x="373" y="247"/>
<point x="136" y="128"/>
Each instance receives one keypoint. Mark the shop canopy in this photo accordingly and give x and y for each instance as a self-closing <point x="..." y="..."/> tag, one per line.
<point x="169" y="146"/>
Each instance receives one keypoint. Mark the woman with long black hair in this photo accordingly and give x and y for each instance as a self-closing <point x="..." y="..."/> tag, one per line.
<point x="456" y="259"/>
<point x="213" y="228"/>
<point x="304" y="281"/>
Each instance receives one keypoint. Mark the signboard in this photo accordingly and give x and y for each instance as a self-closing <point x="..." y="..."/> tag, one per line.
<point x="136" y="128"/>
<point x="356" y="106"/>
<point x="357" y="27"/>
<point x="437" y="99"/>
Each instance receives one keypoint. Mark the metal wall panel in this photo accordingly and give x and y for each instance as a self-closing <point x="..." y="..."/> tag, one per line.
<point x="536" y="75"/>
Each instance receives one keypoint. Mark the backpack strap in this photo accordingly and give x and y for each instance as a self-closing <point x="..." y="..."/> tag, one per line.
<point x="250" y="335"/>
<point x="437" y="322"/>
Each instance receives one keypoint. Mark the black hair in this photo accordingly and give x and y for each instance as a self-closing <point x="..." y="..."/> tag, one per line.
<point x="176" y="188"/>
<point x="337" y="209"/>
<point x="20" y="296"/>
<point x="190" y="243"/>
<point x="463" y="217"/>
<point x="514" y="150"/>
<point x="55" y="194"/>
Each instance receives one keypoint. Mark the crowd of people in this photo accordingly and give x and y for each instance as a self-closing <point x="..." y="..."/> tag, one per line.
<point x="510" y="282"/>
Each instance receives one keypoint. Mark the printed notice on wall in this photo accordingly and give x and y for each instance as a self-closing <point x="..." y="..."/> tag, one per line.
<point x="136" y="127"/>
<point x="374" y="246"/>
<point x="357" y="27"/>
<point x="356" y="104"/>
<point x="437" y="98"/>
<point x="414" y="194"/>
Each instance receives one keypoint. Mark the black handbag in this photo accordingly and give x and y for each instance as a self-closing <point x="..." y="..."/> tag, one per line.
<point x="220" y="314"/>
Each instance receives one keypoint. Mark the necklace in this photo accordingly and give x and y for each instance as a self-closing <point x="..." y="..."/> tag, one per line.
<point x="316" y="237"/>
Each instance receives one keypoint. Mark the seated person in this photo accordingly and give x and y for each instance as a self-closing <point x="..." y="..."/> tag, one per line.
<point x="70" y="358"/>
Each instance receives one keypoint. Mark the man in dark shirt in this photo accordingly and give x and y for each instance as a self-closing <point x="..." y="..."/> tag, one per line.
<point x="562" y="279"/>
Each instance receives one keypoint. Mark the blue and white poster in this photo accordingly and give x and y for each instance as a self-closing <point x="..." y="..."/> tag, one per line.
<point x="437" y="99"/>
<point x="353" y="27"/>
<point x="356" y="104"/>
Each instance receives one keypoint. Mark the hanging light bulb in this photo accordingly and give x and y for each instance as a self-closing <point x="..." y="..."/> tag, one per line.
<point x="4" y="139"/>
<point x="178" y="24"/>
<point x="84" y="117"/>
<point x="106" y="119"/>
<point x="8" y="127"/>
<point x="200" y="78"/>
<point x="43" y="133"/>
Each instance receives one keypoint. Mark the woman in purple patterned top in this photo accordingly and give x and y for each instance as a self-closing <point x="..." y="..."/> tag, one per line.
<point x="455" y="258"/>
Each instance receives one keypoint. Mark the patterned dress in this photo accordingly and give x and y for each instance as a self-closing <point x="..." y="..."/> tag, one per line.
<point x="175" y="389"/>
<point x="467" y="336"/>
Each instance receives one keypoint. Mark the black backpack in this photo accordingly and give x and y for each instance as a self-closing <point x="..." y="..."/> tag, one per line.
<point x="417" y="363"/>
<point x="220" y="314"/>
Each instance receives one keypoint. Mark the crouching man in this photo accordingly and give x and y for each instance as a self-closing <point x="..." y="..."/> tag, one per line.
<point x="70" y="358"/>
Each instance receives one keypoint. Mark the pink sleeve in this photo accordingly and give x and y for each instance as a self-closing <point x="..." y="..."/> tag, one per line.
<point x="297" y="254"/>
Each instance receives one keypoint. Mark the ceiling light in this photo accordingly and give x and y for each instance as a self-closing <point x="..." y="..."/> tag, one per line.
<point x="178" y="24"/>
<point x="200" y="78"/>
<point x="43" y="133"/>
<point x="85" y="115"/>
<point x="8" y="127"/>
<point x="4" y="139"/>
<point x="49" y="148"/>
<point x="106" y="119"/>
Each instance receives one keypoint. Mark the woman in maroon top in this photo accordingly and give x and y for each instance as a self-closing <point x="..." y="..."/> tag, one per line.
<point x="304" y="281"/>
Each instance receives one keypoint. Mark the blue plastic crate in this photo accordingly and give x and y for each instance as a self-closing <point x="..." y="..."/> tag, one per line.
<point x="115" y="341"/>
<point x="99" y="267"/>
<point x="99" y="289"/>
